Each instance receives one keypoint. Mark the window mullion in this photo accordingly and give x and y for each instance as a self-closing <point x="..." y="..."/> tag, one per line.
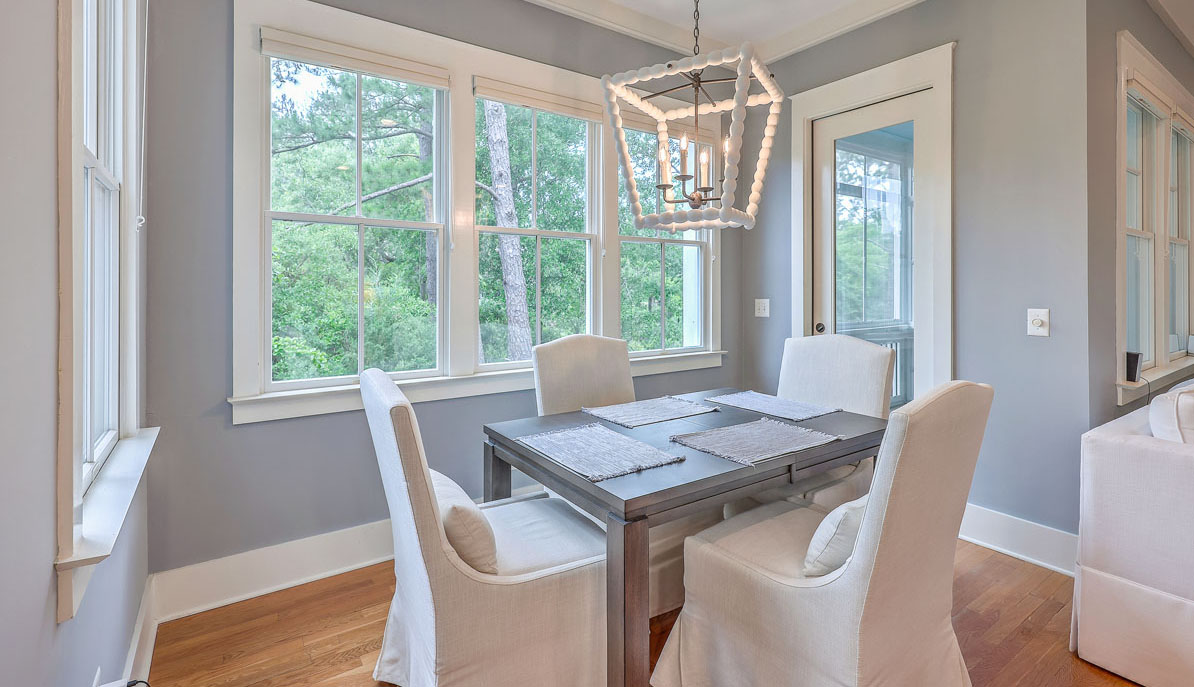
<point x="359" y="152"/>
<point x="360" y="297"/>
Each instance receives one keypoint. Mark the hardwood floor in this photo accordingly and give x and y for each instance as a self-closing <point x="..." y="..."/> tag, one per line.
<point x="1012" y="619"/>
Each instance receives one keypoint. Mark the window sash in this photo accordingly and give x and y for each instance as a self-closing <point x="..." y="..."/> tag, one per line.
<point x="363" y="223"/>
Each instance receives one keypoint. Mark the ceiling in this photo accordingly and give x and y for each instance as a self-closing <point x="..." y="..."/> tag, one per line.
<point x="777" y="28"/>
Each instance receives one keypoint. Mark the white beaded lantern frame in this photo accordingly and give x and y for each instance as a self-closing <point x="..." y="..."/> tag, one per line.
<point x="618" y="86"/>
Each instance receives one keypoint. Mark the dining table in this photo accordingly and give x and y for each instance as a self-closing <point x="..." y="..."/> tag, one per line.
<point x="631" y="504"/>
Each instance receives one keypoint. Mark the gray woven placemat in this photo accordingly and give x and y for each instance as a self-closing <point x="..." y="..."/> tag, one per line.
<point x="598" y="452"/>
<point x="650" y="411"/>
<point x="773" y="405"/>
<point x="751" y="442"/>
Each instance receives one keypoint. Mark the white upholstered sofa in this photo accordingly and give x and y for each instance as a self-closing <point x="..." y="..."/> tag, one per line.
<point x="1134" y="581"/>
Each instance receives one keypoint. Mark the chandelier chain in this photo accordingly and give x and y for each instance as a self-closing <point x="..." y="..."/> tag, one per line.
<point x="696" y="27"/>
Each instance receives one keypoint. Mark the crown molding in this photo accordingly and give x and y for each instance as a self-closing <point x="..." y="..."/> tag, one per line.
<point x="830" y="26"/>
<point x="616" y="17"/>
<point x="1178" y="15"/>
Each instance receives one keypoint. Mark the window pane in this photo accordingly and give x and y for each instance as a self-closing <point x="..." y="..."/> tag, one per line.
<point x="1133" y="138"/>
<point x="644" y="160"/>
<point x="397" y="150"/>
<point x="849" y="238"/>
<point x="564" y="268"/>
<point x="1133" y="201"/>
<point x="1179" y="294"/>
<point x="683" y="295"/>
<point x="504" y="178"/>
<point x="91" y="74"/>
<point x="100" y="205"/>
<point x="561" y="153"/>
<point x="400" y="299"/>
<point x="314" y="300"/>
<point x="312" y="130"/>
<point x="641" y="308"/>
<point x="1138" y="296"/>
<point x="1174" y="179"/>
<point x="507" y="296"/>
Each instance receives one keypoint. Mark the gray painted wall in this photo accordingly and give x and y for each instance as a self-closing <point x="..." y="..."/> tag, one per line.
<point x="1105" y="18"/>
<point x="34" y="649"/>
<point x="1020" y="229"/>
<point x="218" y="489"/>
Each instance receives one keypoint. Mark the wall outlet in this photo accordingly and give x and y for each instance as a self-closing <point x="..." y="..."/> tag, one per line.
<point x="1038" y="322"/>
<point x="762" y="307"/>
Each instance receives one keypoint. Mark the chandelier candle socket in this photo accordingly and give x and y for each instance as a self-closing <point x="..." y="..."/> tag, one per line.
<point x="696" y="208"/>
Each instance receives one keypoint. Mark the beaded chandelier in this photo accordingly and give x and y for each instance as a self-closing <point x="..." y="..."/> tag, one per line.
<point x="698" y="208"/>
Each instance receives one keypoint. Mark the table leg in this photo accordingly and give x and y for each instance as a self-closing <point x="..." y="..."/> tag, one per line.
<point x="497" y="475"/>
<point x="627" y="612"/>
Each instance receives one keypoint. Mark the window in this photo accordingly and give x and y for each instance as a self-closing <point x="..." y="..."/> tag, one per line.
<point x="1154" y="221"/>
<point x="1179" y="242"/>
<point x="355" y="218"/>
<point x="429" y="219"/>
<point x="101" y="146"/>
<point x="532" y="175"/>
<point x="662" y="290"/>
<point x="1140" y="222"/>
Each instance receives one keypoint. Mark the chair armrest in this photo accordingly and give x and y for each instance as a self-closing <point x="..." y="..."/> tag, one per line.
<point x="1137" y="510"/>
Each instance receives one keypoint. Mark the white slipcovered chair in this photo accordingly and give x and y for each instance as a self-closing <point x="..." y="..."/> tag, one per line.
<point x="1134" y="581"/>
<point x="540" y="620"/>
<point x="752" y="618"/>
<point x="836" y="371"/>
<point x="588" y="371"/>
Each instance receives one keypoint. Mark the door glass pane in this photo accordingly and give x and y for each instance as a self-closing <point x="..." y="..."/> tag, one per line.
<point x="1138" y="296"/>
<point x="1179" y="290"/>
<point x="873" y="243"/>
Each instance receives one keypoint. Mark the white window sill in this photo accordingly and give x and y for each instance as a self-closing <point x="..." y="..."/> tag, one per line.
<point x="104" y="510"/>
<point x="278" y="405"/>
<point x="1155" y="379"/>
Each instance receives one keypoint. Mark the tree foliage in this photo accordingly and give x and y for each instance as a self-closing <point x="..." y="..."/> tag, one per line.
<point x="355" y="294"/>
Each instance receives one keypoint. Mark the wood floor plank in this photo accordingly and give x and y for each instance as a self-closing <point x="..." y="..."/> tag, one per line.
<point x="1011" y="618"/>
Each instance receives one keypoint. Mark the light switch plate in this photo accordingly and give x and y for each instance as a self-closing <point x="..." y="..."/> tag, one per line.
<point x="762" y="307"/>
<point x="1038" y="322"/>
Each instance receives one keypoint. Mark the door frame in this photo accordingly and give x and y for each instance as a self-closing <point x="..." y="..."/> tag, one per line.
<point x="931" y="72"/>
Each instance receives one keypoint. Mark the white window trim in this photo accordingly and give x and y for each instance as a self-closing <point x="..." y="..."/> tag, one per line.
<point x="1138" y="71"/>
<point x="463" y="65"/>
<point x="91" y="509"/>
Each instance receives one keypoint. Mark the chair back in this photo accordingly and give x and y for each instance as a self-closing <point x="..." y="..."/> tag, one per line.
<point x="909" y="533"/>
<point x="419" y="542"/>
<point x="581" y="370"/>
<point x="838" y="371"/>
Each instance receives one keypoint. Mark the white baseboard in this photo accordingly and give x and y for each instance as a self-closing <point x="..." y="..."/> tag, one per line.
<point x="136" y="666"/>
<point x="1029" y="541"/>
<point x="177" y="593"/>
<point x="211" y="584"/>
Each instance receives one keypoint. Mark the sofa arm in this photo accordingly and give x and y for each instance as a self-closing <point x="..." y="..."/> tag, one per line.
<point x="1137" y="510"/>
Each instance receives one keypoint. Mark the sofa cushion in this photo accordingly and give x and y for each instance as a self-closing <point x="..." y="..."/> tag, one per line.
<point x="1171" y="416"/>
<point x="465" y="524"/>
<point x="833" y="542"/>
